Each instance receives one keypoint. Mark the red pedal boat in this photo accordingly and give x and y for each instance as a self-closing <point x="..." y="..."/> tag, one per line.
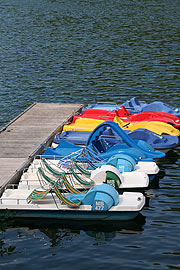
<point x="128" y="117"/>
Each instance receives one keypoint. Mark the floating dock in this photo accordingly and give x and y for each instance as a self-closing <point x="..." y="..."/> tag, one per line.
<point x="27" y="135"/>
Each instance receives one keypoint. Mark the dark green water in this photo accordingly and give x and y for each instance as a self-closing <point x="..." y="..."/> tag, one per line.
<point x="85" y="52"/>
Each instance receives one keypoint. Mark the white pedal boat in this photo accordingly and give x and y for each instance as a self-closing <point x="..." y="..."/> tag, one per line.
<point x="102" y="202"/>
<point x="35" y="176"/>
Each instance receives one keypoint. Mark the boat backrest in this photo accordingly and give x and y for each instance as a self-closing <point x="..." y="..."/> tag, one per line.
<point x="81" y="180"/>
<point x="64" y="199"/>
<point x="52" y="170"/>
<point x="38" y="194"/>
<point x="81" y="169"/>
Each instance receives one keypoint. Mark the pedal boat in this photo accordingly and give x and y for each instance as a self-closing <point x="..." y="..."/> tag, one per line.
<point x="89" y="124"/>
<point x="142" y="154"/>
<point x="163" y="143"/>
<point x="129" y="117"/>
<point x="134" y="105"/>
<point x="101" y="202"/>
<point x="140" y="150"/>
<point x="42" y="171"/>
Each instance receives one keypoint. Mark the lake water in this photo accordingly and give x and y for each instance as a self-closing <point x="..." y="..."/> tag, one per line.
<point x="78" y="51"/>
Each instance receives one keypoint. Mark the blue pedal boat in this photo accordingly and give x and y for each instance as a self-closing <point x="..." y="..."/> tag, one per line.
<point x="163" y="143"/>
<point x="134" y="105"/>
<point x="97" y="152"/>
<point x="138" y="150"/>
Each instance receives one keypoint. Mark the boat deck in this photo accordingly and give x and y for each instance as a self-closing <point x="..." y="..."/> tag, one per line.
<point x="28" y="134"/>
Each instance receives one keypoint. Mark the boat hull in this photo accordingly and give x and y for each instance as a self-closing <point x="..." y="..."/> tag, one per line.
<point x="70" y="215"/>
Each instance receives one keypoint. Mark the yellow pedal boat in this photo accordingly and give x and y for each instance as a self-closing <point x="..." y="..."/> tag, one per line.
<point x="89" y="124"/>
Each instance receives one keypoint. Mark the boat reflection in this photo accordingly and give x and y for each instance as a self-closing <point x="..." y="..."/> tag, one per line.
<point x="171" y="157"/>
<point x="56" y="230"/>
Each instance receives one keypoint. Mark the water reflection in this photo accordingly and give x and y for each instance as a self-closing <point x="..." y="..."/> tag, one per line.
<point x="59" y="231"/>
<point x="171" y="158"/>
<point x="4" y="225"/>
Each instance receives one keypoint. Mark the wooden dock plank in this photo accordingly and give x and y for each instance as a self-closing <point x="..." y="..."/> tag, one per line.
<point x="24" y="136"/>
<point x="9" y="167"/>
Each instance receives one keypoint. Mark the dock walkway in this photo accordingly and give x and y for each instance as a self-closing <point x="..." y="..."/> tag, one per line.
<point x="26" y="135"/>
